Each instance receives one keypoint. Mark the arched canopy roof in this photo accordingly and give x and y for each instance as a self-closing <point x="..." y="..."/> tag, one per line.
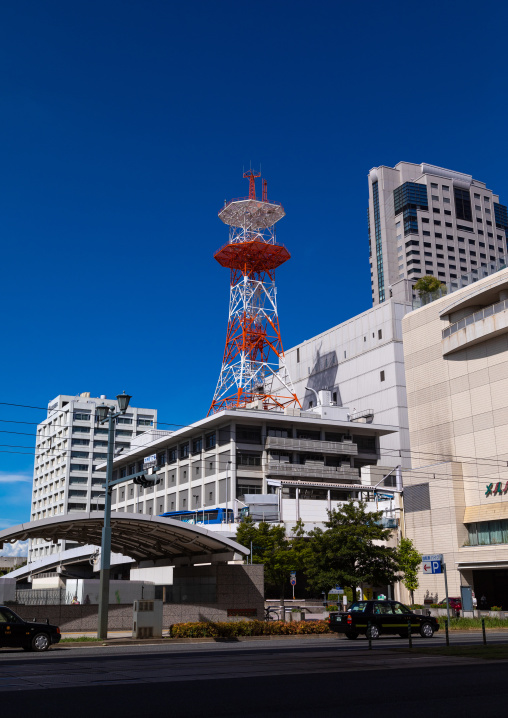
<point x="139" y="536"/>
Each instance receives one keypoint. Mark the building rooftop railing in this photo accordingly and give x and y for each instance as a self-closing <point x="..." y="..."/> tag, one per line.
<point x="476" y="317"/>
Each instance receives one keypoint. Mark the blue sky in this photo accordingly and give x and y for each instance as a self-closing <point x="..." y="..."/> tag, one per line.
<point x="125" y="125"/>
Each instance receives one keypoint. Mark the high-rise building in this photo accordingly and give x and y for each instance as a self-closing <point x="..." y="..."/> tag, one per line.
<point x="69" y="445"/>
<point x="426" y="220"/>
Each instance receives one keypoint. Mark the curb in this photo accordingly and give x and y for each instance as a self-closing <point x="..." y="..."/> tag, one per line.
<point x="172" y="641"/>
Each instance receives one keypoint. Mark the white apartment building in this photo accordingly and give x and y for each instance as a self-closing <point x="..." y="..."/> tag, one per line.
<point x="69" y="446"/>
<point x="296" y="464"/>
<point x="427" y="220"/>
<point x="361" y="363"/>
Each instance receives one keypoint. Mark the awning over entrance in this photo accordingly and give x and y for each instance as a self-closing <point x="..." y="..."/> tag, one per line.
<point x="139" y="536"/>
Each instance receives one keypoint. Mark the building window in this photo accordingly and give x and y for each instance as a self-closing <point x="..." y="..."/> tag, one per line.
<point x="298" y="355"/>
<point x="488" y="533"/>
<point x="145" y="422"/>
<point x="462" y="204"/>
<point x="248" y="434"/>
<point x="79" y="416"/>
<point x="379" y="333"/>
<point x="382" y="375"/>
<point x="243" y="459"/>
<point x="210" y="441"/>
<point x="197" y="445"/>
<point x="379" y="248"/>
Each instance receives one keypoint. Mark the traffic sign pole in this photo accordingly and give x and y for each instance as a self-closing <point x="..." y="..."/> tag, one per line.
<point x="447" y="599"/>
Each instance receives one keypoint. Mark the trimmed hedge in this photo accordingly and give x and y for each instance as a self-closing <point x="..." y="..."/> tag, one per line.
<point x="232" y="629"/>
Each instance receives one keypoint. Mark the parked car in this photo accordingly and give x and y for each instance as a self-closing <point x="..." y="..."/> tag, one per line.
<point x="373" y="618"/>
<point x="29" y="635"/>
<point x="455" y="604"/>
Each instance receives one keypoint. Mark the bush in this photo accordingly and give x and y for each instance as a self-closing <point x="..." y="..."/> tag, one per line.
<point x="416" y="606"/>
<point x="232" y="629"/>
<point x="496" y="608"/>
<point x="436" y="605"/>
<point x="333" y="607"/>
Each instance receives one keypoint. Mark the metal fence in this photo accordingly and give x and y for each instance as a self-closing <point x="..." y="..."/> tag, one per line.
<point x="43" y="597"/>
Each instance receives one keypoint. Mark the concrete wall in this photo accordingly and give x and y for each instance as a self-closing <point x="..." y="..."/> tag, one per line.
<point x="348" y="359"/>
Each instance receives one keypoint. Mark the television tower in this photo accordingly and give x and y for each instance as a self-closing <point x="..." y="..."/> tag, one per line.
<point x="253" y="367"/>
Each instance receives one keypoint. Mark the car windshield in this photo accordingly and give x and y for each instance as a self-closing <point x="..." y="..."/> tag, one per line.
<point x="358" y="606"/>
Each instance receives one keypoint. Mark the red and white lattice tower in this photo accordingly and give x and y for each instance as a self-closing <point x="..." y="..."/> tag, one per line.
<point x="253" y="368"/>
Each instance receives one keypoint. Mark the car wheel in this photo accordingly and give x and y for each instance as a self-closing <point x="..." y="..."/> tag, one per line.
<point x="40" y="642"/>
<point x="373" y="633"/>
<point x="426" y="631"/>
<point x="352" y="635"/>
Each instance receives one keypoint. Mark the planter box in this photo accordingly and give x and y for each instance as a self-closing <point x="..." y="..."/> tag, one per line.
<point x="296" y="616"/>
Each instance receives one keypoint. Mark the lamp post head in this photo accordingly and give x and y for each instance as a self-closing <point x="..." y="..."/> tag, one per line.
<point x="123" y="402"/>
<point x="102" y="412"/>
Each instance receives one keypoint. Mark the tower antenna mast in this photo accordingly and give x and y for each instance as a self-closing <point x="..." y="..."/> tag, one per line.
<point x="254" y="371"/>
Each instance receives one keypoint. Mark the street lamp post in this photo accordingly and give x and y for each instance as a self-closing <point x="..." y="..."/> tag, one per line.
<point x="105" y="413"/>
<point x="227" y="493"/>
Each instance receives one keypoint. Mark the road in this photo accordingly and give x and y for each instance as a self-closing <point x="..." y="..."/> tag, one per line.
<point x="298" y="678"/>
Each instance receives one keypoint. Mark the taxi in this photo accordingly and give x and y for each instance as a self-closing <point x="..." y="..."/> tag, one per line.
<point x="29" y="635"/>
<point x="374" y="618"/>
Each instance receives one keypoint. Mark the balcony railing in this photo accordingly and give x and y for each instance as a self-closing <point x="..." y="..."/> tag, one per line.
<point x="312" y="445"/>
<point x="476" y="317"/>
<point x="313" y="471"/>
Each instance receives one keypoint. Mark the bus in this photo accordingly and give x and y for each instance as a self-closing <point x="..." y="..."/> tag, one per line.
<point x="201" y="516"/>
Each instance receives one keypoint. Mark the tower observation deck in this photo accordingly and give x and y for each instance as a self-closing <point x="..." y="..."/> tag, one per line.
<point x="253" y="369"/>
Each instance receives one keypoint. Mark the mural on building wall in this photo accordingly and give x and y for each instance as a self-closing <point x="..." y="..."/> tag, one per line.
<point x="323" y="376"/>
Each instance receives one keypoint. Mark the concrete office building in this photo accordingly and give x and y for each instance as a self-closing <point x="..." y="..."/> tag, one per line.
<point x="456" y="495"/>
<point x="69" y="445"/>
<point x="361" y="363"/>
<point x="429" y="220"/>
<point x="284" y="465"/>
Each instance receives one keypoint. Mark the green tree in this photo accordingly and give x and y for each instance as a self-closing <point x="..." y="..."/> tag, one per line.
<point x="279" y="553"/>
<point x="429" y="285"/>
<point x="409" y="562"/>
<point x="347" y="552"/>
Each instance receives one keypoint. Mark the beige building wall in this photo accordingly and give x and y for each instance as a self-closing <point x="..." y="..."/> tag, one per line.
<point x="457" y="391"/>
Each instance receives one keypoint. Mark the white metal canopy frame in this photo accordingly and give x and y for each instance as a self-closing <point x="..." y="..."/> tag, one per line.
<point x="139" y="536"/>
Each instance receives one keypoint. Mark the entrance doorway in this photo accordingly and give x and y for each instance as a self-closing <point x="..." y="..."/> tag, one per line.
<point x="493" y="584"/>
